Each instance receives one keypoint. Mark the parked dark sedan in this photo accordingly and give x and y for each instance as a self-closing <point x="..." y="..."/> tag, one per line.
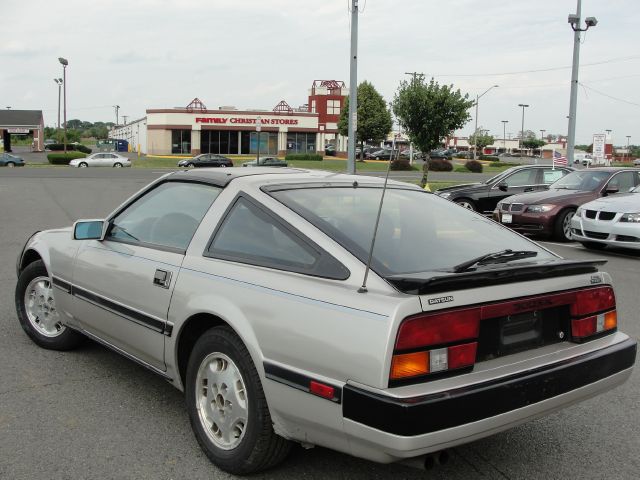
<point x="549" y="212"/>
<point x="382" y="154"/>
<point x="266" y="162"/>
<point x="206" y="160"/>
<point x="9" y="160"/>
<point x="483" y="197"/>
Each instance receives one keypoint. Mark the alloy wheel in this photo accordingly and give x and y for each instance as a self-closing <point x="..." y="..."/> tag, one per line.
<point x="40" y="307"/>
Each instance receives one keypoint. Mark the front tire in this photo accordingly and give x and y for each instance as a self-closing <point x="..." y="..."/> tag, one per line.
<point x="11" y="164"/>
<point x="227" y="406"/>
<point x="83" y="165"/>
<point x="562" y="227"/>
<point x="37" y="311"/>
<point x="467" y="203"/>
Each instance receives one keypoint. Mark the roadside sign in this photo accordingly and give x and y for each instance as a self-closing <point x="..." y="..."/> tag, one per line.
<point x="598" y="147"/>
<point x="18" y="130"/>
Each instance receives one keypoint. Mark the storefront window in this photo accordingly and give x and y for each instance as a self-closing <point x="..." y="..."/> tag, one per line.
<point x="224" y="142"/>
<point x="268" y="143"/>
<point x="301" y="142"/>
<point x="181" y="141"/>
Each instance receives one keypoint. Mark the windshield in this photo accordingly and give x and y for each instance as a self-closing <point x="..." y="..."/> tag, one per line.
<point x="418" y="232"/>
<point x="589" y="180"/>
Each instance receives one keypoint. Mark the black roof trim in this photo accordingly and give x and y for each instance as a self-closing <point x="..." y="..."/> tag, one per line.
<point x="323" y="183"/>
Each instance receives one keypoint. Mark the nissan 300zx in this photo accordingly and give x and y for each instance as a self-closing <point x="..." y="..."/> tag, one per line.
<point x="296" y="306"/>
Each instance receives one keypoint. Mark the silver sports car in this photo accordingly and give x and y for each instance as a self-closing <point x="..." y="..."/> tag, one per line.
<point x="320" y="308"/>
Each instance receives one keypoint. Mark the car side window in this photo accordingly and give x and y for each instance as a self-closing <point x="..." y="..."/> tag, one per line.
<point x="550" y="175"/>
<point x="526" y="176"/>
<point x="249" y="234"/>
<point x="623" y="181"/>
<point x="165" y="217"/>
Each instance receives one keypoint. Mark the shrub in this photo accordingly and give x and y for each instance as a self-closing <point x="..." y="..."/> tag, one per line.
<point x="440" y="165"/>
<point x="56" y="147"/>
<point x="63" y="158"/>
<point x="493" y="158"/>
<point x="473" y="166"/>
<point x="304" y="156"/>
<point x="401" y="164"/>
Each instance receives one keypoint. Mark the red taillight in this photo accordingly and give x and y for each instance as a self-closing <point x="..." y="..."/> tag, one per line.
<point x="439" y="328"/>
<point x="592" y="301"/>
<point x="586" y="327"/>
<point x="462" y="355"/>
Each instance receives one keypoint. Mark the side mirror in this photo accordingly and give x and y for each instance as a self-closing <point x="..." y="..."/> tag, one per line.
<point x="609" y="190"/>
<point x="89" y="230"/>
<point x="503" y="186"/>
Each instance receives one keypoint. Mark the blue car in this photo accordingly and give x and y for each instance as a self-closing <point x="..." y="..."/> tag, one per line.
<point x="9" y="160"/>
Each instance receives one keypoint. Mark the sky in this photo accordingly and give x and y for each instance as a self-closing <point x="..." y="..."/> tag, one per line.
<point x="142" y="54"/>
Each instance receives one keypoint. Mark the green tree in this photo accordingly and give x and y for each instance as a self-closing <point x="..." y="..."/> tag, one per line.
<point x="481" y="139"/>
<point x="374" y="118"/>
<point x="532" y="143"/>
<point x="429" y="112"/>
<point x="74" y="123"/>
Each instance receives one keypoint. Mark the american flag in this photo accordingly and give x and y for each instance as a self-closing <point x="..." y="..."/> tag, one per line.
<point x="559" y="159"/>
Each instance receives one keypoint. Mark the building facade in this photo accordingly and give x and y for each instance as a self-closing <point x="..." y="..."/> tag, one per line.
<point x="22" y="122"/>
<point x="195" y="129"/>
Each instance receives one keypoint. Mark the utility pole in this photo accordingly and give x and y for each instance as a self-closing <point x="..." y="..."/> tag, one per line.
<point x="117" y="108"/>
<point x="574" y="21"/>
<point x="504" y="134"/>
<point x="628" y="152"/>
<point x="353" y="92"/>
<point x="415" y="75"/>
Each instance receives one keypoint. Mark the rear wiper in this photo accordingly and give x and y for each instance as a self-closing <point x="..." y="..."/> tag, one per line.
<point x="502" y="256"/>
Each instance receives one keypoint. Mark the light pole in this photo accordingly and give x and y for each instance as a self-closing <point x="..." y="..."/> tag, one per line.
<point x="628" y="152"/>
<point x="523" y="105"/>
<point x="574" y="21"/>
<point x="352" y="124"/>
<point x="117" y="109"/>
<point x="64" y="62"/>
<point x="258" y="128"/>
<point x="475" y="132"/>
<point x="504" y="134"/>
<point x="59" y="83"/>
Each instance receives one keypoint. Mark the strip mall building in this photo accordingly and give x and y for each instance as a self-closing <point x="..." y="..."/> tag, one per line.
<point x="195" y="129"/>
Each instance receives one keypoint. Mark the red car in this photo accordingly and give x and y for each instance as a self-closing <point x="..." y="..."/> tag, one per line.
<point x="549" y="212"/>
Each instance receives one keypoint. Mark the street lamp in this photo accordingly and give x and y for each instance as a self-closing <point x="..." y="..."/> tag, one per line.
<point x="59" y="83"/>
<point x="628" y="152"/>
<point x="574" y="21"/>
<point x="475" y="132"/>
<point x="504" y="134"/>
<point x="258" y="128"/>
<point x="64" y="63"/>
<point x="523" y="105"/>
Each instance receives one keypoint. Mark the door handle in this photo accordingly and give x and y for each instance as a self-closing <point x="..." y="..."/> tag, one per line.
<point x="162" y="278"/>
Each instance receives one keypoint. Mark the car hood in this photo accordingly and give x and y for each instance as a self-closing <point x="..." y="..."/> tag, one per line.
<point x="554" y="196"/>
<point x="621" y="202"/>
<point x="464" y="186"/>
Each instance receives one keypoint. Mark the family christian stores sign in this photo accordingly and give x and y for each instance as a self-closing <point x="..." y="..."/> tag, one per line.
<point x="247" y="121"/>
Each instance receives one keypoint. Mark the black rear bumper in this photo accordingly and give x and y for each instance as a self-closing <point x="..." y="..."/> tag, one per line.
<point x="430" y="413"/>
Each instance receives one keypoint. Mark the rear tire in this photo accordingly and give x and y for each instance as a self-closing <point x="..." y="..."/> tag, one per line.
<point x="594" y="245"/>
<point x="117" y="165"/>
<point x="227" y="406"/>
<point x="37" y="311"/>
<point x="562" y="227"/>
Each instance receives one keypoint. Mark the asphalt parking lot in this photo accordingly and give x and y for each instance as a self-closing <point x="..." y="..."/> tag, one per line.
<point x="93" y="414"/>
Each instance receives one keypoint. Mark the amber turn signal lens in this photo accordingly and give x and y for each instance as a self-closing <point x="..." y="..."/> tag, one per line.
<point x="409" y="365"/>
<point x="610" y="320"/>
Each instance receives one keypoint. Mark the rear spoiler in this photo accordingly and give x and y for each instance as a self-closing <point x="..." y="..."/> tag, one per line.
<point x="422" y="283"/>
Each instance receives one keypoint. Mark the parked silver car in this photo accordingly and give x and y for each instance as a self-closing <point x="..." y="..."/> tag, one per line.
<point x="101" y="160"/>
<point x="609" y="221"/>
<point x="249" y="289"/>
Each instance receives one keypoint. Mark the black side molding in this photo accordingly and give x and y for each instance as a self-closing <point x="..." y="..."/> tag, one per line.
<point x="452" y="408"/>
<point x="297" y="380"/>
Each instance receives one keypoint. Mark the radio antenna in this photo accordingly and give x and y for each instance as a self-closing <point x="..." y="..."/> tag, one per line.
<point x="363" y="288"/>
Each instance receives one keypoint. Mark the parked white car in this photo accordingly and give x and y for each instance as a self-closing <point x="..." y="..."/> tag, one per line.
<point x="101" y="160"/>
<point x="249" y="289"/>
<point x="609" y="221"/>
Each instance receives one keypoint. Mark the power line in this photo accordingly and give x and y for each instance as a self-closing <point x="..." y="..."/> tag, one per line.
<point x="540" y="70"/>
<point x="610" y="96"/>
